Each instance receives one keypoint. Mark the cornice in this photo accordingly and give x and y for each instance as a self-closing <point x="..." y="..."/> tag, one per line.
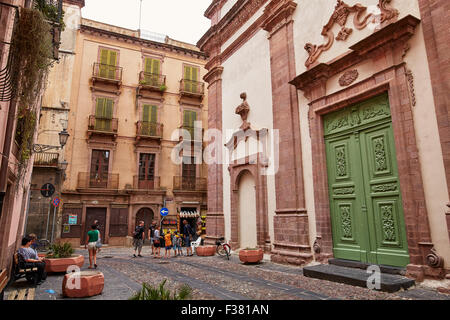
<point x="142" y="42"/>
<point x="277" y="14"/>
<point x="394" y="35"/>
<point x="79" y="3"/>
<point x="238" y="15"/>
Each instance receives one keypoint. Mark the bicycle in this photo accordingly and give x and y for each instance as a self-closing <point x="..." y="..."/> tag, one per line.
<point x="223" y="248"/>
<point x="42" y="245"/>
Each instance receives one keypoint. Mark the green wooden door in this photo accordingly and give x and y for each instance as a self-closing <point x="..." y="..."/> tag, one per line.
<point x="365" y="200"/>
<point x="103" y="114"/>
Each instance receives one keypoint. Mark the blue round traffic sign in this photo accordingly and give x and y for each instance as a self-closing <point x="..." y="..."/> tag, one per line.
<point x="56" y="201"/>
<point x="164" y="212"/>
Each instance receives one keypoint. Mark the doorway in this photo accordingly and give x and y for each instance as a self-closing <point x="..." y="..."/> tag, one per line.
<point x="146" y="215"/>
<point x="247" y="211"/>
<point x="364" y="190"/>
<point x="93" y="214"/>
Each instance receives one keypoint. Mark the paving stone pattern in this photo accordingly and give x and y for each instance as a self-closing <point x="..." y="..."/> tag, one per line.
<point x="216" y="278"/>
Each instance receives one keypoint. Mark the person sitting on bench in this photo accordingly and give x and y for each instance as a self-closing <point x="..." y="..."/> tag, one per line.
<point x="31" y="259"/>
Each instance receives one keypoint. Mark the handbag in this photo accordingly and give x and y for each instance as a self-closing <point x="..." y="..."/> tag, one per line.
<point x="98" y="244"/>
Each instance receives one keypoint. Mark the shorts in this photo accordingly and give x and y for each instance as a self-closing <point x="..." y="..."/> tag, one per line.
<point x="156" y="244"/>
<point x="138" y="243"/>
<point x="168" y="247"/>
<point x="92" y="245"/>
<point x="187" y="242"/>
<point x="174" y="247"/>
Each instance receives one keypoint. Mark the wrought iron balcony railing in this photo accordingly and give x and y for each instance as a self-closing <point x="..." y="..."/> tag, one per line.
<point x="104" y="125"/>
<point x="46" y="159"/>
<point x="156" y="81"/>
<point x="189" y="183"/>
<point x="107" y="72"/>
<point x="141" y="182"/>
<point x="149" y="129"/>
<point x="191" y="87"/>
<point x="88" y="180"/>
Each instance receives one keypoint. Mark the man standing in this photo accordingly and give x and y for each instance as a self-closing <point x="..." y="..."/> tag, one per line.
<point x="151" y="234"/>
<point x="187" y="233"/>
<point x="138" y="238"/>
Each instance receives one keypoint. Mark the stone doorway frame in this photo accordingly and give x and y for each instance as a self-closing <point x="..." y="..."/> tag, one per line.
<point x="385" y="49"/>
<point x="252" y="165"/>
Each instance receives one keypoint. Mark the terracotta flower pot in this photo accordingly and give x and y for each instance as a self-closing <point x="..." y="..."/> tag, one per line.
<point x="89" y="284"/>
<point x="61" y="265"/>
<point x="251" y="256"/>
<point x="205" y="251"/>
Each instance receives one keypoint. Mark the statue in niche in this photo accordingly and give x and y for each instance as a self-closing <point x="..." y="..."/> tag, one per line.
<point x="243" y="109"/>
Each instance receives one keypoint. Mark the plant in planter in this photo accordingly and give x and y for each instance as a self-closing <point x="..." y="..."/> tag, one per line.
<point x="149" y="292"/>
<point x="251" y="255"/>
<point x="60" y="257"/>
<point x="163" y="88"/>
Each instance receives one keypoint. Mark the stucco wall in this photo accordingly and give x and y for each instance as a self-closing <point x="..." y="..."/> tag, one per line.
<point x="247" y="70"/>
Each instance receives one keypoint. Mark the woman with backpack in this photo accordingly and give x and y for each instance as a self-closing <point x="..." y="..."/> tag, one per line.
<point x="92" y="237"/>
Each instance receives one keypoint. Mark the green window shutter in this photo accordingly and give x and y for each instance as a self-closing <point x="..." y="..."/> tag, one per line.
<point x="146" y="113"/>
<point x="109" y="108"/>
<point x="187" y="72"/>
<point x="194" y="74"/>
<point x="189" y="119"/>
<point x="148" y="65"/>
<point x="156" y="66"/>
<point x="112" y="61"/>
<point x="104" y="55"/>
<point x="104" y="113"/>
<point x="154" y="114"/>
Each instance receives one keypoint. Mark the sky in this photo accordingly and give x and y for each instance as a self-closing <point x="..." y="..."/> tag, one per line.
<point x="181" y="20"/>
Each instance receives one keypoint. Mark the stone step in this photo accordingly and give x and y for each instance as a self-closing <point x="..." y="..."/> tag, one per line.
<point x="356" y="277"/>
<point x="364" y="266"/>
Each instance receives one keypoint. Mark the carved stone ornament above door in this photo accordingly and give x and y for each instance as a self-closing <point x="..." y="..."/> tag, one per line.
<point x="340" y="16"/>
<point x="348" y="77"/>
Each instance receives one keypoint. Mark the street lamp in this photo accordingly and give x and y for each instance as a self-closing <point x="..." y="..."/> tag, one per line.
<point x="41" y="148"/>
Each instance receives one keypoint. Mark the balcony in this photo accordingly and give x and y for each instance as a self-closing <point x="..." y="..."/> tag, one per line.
<point x="141" y="183"/>
<point x="103" y="126"/>
<point x="192" y="89"/>
<point x="108" y="181"/>
<point x="192" y="133"/>
<point x="105" y="76"/>
<point x="149" y="130"/>
<point x="189" y="184"/>
<point x="46" y="159"/>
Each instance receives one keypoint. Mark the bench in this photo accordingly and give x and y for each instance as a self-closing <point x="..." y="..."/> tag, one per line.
<point x="22" y="294"/>
<point x="3" y="282"/>
<point x="29" y="273"/>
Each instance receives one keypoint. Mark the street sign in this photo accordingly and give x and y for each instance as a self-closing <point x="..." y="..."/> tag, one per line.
<point x="47" y="190"/>
<point x="56" y="202"/>
<point x="73" y="218"/>
<point x="164" y="212"/>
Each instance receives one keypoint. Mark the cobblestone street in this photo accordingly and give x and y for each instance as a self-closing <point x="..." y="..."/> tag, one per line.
<point x="215" y="278"/>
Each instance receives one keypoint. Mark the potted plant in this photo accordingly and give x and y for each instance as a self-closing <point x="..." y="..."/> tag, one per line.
<point x="149" y="292"/>
<point x="163" y="88"/>
<point x="60" y="257"/>
<point x="251" y="255"/>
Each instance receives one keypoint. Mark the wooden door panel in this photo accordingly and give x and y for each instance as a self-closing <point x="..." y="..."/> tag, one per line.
<point x="386" y="223"/>
<point x="345" y="207"/>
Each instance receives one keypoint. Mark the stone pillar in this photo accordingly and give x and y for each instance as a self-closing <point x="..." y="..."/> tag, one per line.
<point x="291" y="243"/>
<point x="215" y="222"/>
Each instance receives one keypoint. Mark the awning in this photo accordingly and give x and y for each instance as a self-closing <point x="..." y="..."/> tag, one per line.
<point x="189" y="214"/>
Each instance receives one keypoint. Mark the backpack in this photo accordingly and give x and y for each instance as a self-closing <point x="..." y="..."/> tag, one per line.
<point x="137" y="232"/>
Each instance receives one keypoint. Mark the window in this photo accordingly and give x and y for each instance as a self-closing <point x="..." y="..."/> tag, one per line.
<point x="99" y="168"/>
<point x="103" y="114"/>
<point x="149" y="120"/>
<point x="147" y="171"/>
<point x="191" y="78"/>
<point x="188" y="173"/>
<point x="189" y="118"/>
<point x="108" y="63"/>
<point x="152" y="72"/>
